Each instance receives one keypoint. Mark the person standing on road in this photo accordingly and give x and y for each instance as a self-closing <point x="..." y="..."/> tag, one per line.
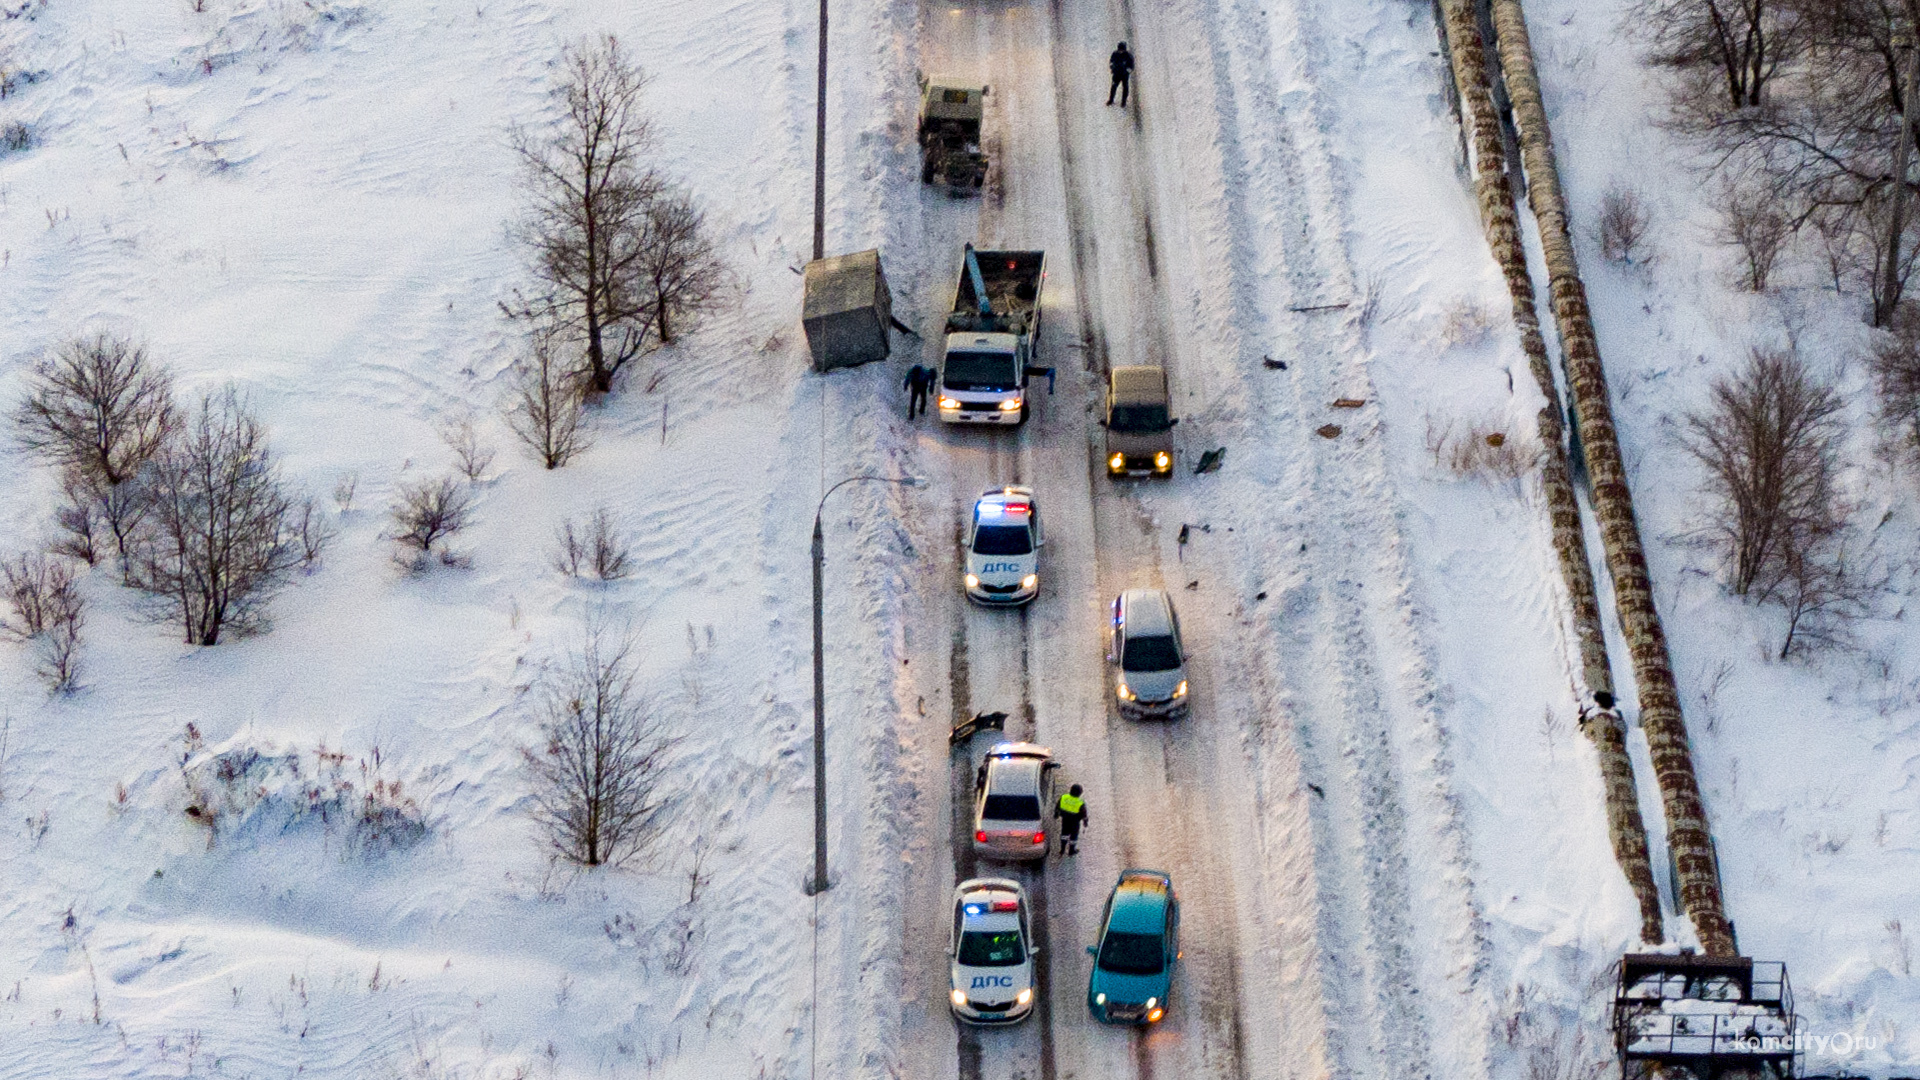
<point x="1071" y="809"/>
<point x="918" y="381"/>
<point x="1121" y="64"/>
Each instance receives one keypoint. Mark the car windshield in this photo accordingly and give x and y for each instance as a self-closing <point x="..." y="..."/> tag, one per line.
<point x="992" y="948"/>
<point x="1002" y="540"/>
<point x="1132" y="954"/>
<point x="1150" y="653"/>
<point x="1139" y="419"/>
<point x="980" y="371"/>
<point x="1011" y="808"/>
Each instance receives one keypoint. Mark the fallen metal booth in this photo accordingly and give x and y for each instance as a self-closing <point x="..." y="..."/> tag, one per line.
<point x="1691" y="1017"/>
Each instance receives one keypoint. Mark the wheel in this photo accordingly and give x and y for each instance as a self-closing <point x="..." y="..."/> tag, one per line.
<point x="1021" y="419"/>
<point x="926" y="169"/>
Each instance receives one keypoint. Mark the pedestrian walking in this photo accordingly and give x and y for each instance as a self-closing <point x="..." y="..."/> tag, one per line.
<point x="1071" y="809"/>
<point x="918" y="381"/>
<point x="1121" y="64"/>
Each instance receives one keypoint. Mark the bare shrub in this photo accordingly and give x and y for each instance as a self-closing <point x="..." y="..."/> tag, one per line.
<point x="1753" y="220"/>
<point x="114" y="510"/>
<point x="1624" y="223"/>
<point x="15" y="137"/>
<point x="38" y="590"/>
<point x="473" y="456"/>
<point x="1768" y="441"/>
<point x="1467" y="323"/>
<point x="244" y="788"/>
<point x="221" y="536"/>
<point x="589" y="190"/>
<point x="79" y="531"/>
<point x="1481" y="452"/>
<point x="312" y="530"/>
<point x="59" y="666"/>
<point x="343" y="492"/>
<point x="98" y="407"/>
<point x="1896" y="371"/>
<point x="598" y="775"/>
<point x="545" y="408"/>
<point x="429" y="513"/>
<point x="594" y="550"/>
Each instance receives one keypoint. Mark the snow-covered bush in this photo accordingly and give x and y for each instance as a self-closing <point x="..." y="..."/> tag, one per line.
<point x="430" y="513"/>
<point x="245" y="790"/>
<point x="596" y="549"/>
<point x="1481" y="451"/>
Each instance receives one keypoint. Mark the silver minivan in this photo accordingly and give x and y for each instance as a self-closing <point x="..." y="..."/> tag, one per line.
<point x="1150" y="663"/>
<point x="1013" y="798"/>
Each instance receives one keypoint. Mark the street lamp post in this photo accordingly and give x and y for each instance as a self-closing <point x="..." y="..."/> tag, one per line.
<point x="820" y="884"/>
<point x="820" y="147"/>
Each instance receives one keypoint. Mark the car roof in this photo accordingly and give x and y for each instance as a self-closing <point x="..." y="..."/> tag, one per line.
<point x="1015" y="775"/>
<point x="1139" y="385"/>
<point x="1148" y="612"/>
<point x="1140" y="900"/>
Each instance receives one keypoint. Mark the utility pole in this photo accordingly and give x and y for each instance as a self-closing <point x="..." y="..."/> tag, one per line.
<point x="820" y="147"/>
<point x="1889" y="292"/>
<point x="819" y="883"/>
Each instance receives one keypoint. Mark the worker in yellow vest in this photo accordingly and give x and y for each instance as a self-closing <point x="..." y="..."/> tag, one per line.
<point x="1071" y="809"/>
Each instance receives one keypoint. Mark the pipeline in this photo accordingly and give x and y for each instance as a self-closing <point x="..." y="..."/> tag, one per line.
<point x="1687" y="832"/>
<point x="1493" y="191"/>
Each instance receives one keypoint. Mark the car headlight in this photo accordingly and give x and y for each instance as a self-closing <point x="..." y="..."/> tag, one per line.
<point x="1099" y="999"/>
<point x="1023" y="997"/>
<point x="960" y="997"/>
<point x="1151" y="1002"/>
<point x="949" y="403"/>
<point x="1162" y="460"/>
<point x="1126" y="692"/>
<point x="1181" y="690"/>
<point x="973" y="581"/>
<point x="1117" y="463"/>
<point x="1030" y="581"/>
<point x="1009" y="406"/>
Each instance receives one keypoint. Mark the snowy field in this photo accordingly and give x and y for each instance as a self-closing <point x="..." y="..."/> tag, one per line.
<point x="1386" y="830"/>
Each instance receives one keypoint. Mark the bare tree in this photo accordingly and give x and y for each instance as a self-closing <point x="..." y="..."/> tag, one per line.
<point x="222" y="535"/>
<point x="590" y="190"/>
<point x="1768" y="441"/>
<point x="598" y="549"/>
<point x="98" y="407"/>
<point x="430" y="512"/>
<point x="682" y="276"/>
<point x="312" y="530"/>
<point x="545" y="405"/>
<point x="598" y="773"/>
<point x="1740" y="44"/>
<point x="60" y="666"/>
<point x="80" y="530"/>
<point x="1753" y="221"/>
<point x="1822" y="590"/>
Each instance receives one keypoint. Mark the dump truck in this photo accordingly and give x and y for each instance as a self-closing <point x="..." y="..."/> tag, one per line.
<point x="950" y="113"/>
<point x="992" y="333"/>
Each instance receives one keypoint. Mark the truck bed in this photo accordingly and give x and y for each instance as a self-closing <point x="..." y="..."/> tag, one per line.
<point x="1012" y="279"/>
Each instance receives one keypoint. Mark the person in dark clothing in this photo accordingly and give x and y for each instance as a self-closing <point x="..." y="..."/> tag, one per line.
<point x="1121" y="64"/>
<point x="1071" y="809"/>
<point x="918" y="381"/>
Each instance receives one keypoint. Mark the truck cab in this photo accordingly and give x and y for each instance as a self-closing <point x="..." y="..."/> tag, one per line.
<point x="1139" y="422"/>
<point x="992" y="332"/>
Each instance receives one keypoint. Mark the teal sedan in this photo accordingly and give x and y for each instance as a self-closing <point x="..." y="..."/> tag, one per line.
<point x="1139" y="942"/>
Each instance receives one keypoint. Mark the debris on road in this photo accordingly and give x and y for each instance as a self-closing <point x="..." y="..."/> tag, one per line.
<point x="1211" y="460"/>
<point x="1328" y="431"/>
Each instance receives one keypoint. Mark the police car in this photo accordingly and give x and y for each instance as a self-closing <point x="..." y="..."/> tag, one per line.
<point x="992" y="952"/>
<point x="1003" y="548"/>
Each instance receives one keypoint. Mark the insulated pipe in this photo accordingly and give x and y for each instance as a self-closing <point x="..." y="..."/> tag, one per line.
<point x="1494" y="193"/>
<point x="1687" y="832"/>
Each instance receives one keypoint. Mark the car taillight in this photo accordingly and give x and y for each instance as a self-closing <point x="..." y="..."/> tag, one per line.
<point x="1039" y="838"/>
<point x="980" y="837"/>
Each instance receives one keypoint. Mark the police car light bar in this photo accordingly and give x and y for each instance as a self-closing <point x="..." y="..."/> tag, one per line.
<point x="1006" y="905"/>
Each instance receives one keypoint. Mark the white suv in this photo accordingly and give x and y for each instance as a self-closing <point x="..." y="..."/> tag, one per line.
<point x="1003" y="548"/>
<point x="992" y="952"/>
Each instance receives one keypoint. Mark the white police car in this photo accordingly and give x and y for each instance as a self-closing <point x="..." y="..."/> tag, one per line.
<point x="1003" y="548"/>
<point x="992" y="952"/>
